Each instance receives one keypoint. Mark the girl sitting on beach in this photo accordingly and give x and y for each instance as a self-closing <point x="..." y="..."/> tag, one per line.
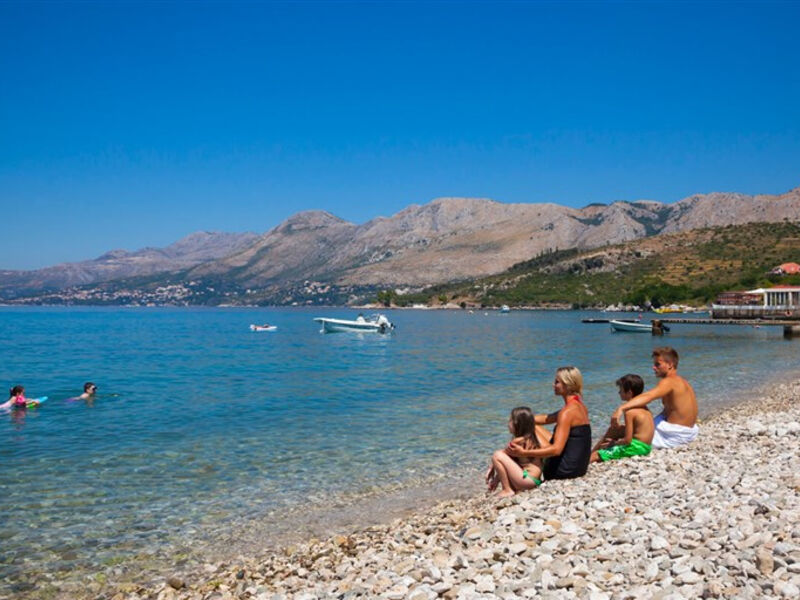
<point x="516" y="474"/>
<point x="568" y="449"/>
<point x="17" y="399"/>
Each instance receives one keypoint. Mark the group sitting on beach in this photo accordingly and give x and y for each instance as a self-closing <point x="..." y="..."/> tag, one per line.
<point x="535" y="454"/>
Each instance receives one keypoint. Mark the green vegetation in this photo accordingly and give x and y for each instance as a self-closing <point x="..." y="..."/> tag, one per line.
<point x="692" y="268"/>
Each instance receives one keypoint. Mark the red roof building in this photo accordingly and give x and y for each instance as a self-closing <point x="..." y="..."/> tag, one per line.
<point x="789" y="268"/>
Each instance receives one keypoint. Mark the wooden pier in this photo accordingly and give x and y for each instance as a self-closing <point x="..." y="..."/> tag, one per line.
<point x="790" y="328"/>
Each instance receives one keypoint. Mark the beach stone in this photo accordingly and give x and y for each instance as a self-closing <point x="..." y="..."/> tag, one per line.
<point x="442" y="586"/>
<point x="658" y="543"/>
<point x="787" y="590"/>
<point x="764" y="561"/>
<point x="175" y="583"/>
<point x="548" y="580"/>
<point x="518" y="548"/>
<point x="689" y="577"/>
<point x="484" y="584"/>
<point x="536" y="526"/>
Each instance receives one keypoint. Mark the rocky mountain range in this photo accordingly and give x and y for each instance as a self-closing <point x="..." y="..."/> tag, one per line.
<point x="456" y="238"/>
<point x="445" y="240"/>
<point x="187" y="252"/>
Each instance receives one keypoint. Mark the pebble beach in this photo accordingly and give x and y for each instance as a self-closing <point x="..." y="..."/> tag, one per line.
<point x="719" y="518"/>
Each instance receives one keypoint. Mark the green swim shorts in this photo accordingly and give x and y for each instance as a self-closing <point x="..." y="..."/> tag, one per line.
<point x="635" y="448"/>
<point x="526" y="475"/>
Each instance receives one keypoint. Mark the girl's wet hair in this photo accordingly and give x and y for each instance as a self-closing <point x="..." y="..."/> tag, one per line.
<point x="16" y="391"/>
<point x="524" y="424"/>
<point x="88" y="386"/>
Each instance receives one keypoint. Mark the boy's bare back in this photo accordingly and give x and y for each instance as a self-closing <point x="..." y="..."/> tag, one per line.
<point x="643" y="425"/>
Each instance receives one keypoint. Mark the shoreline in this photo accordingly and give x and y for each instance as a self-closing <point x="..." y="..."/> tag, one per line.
<point x="724" y="521"/>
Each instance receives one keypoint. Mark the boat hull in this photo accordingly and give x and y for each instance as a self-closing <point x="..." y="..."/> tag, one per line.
<point x="628" y="327"/>
<point x="340" y="325"/>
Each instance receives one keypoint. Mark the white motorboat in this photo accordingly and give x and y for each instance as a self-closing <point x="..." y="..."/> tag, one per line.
<point x="264" y="327"/>
<point x="505" y="308"/>
<point x="634" y="326"/>
<point x="374" y="324"/>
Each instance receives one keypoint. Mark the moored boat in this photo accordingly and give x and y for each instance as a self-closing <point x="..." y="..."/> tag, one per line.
<point x="264" y="327"/>
<point x="631" y="326"/>
<point x="375" y="324"/>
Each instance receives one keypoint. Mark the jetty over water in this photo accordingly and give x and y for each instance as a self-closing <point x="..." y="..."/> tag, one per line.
<point x="790" y="328"/>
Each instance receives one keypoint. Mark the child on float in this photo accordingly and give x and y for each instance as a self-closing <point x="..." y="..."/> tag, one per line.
<point x="17" y="399"/>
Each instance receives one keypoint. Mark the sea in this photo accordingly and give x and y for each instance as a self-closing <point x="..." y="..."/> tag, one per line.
<point x="207" y="440"/>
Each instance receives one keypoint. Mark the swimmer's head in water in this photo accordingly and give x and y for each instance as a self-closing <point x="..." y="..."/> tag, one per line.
<point x="17" y="390"/>
<point x="89" y="387"/>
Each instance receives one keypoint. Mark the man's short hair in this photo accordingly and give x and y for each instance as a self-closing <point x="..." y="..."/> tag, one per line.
<point x="631" y="383"/>
<point x="667" y="354"/>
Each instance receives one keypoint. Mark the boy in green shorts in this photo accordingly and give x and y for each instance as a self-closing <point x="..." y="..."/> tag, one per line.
<point x="635" y="437"/>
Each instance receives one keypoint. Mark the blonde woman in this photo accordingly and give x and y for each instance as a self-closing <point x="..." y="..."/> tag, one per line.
<point x="568" y="448"/>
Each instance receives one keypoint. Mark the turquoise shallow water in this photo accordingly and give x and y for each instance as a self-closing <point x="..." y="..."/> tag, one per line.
<point x="204" y="432"/>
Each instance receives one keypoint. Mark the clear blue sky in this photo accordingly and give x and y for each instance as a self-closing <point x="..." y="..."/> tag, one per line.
<point x="124" y="125"/>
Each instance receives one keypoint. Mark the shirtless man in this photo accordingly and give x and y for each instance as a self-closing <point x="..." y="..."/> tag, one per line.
<point x="677" y="423"/>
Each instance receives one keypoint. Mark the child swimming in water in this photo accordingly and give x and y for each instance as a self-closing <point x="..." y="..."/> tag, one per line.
<point x="89" y="390"/>
<point x="17" y="399"/>
<point x="516" y="474"/>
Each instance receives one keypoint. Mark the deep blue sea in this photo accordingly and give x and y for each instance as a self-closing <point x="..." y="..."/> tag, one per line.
<point x="207" y="436"/>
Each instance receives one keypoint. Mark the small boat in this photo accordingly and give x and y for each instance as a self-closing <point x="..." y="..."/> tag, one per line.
<point x="375" y="324"/>
<point x="609" y="320"/>
<point x="633" y="326"/>
<point x="263" y="327"/>
<point x="505" y="308"/>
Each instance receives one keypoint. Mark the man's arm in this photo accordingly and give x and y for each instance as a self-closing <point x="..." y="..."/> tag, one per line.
<point x="643" y="399"/>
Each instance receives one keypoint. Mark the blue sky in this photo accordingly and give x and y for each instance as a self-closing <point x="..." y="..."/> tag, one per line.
<point x="125" y="125"/>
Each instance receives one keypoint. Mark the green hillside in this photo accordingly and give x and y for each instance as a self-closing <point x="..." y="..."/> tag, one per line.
<point x="691" y="267"/>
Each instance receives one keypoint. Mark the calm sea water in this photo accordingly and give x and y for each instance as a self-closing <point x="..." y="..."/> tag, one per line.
<point x="207" y="435"/>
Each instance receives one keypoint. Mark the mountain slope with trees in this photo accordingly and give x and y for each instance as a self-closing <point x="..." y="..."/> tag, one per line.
<point x="691" y="267"/>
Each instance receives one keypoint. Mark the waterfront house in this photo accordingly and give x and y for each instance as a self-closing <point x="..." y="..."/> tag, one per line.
<point x="779" y="302"/>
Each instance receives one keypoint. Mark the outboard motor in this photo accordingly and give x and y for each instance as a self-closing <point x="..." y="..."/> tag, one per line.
<point x="384" y="324"/>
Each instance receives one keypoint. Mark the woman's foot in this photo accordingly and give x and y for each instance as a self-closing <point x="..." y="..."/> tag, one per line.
<point x="505" y="493"/>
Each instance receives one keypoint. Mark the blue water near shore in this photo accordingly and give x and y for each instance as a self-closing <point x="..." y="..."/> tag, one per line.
<point x="203" y="430"/>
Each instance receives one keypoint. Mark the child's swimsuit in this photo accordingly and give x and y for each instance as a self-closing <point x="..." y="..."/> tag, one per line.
<point x="635" y="448"/>
<point x="20" y="402"/>
<point x="526" y="475"/>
